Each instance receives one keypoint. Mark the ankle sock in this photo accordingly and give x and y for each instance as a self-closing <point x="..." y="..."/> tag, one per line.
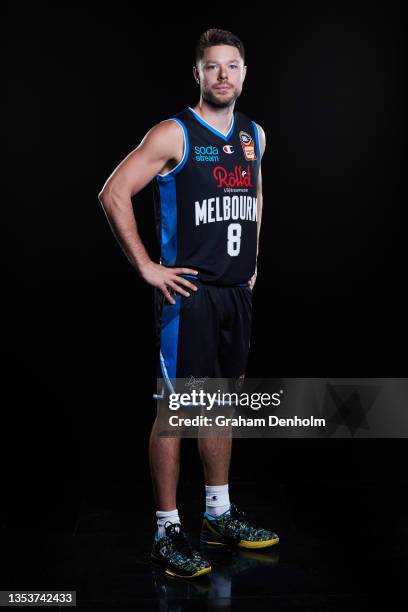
<point x="163" y="516"/>
<point x="217" y="499"/>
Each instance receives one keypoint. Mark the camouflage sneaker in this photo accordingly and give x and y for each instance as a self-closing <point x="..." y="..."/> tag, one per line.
<point x="176" y="556"/>
<point x="233" y="529"/>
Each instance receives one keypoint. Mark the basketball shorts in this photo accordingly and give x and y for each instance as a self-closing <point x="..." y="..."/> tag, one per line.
<point x="205" y="335"/>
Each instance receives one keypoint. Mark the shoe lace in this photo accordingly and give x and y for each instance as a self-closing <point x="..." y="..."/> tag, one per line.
<point x="175" y="532"/>
<point x="239" y="518"/>
<point x="239" y="514"/>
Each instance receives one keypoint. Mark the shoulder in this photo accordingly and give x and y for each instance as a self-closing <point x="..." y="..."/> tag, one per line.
<point x="261" y="131"/>
<point x="168" y="128"/>
<point x="167" y="135"/>
<point x="262" y="138"/>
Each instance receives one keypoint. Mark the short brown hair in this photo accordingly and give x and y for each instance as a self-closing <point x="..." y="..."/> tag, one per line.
<point x="214" y="37"/>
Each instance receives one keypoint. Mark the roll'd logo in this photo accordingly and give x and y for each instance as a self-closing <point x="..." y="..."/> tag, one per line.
<point x="238" y="178"/>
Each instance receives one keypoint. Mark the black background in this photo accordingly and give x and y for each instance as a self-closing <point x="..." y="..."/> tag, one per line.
<point x="327" y="83"/>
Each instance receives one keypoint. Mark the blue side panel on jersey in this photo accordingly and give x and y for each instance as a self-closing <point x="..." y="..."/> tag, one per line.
<point x="168" y="204"/>
<point x="258" y="148"/>
<point x="169" y="339"/>
<point x="170" y="318"/>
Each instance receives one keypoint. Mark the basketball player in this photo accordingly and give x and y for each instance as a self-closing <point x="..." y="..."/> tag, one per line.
<point x="205" y="164"/>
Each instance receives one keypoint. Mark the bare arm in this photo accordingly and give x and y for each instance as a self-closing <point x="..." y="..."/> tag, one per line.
<point x="259" y="200"/>
<point x="161" y="145"/>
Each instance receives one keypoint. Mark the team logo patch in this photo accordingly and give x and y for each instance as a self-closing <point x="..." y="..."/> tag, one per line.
<point x="228" y="149"/>
<point x="248" y="145"/>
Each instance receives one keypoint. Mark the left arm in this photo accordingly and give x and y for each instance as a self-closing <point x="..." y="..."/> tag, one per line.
<point x="259" y="201"/>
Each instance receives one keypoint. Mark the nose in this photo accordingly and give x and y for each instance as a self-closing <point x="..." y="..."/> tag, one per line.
<point x="223" y="73"/>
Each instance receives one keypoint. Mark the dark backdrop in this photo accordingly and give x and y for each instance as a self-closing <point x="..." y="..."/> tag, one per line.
<point x="326" y="82"/>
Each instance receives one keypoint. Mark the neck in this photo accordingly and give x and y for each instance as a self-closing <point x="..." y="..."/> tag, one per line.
<point x="219" y="117"/>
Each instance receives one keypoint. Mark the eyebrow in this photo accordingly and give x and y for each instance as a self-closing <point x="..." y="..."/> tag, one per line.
<point x="234" y="61"/>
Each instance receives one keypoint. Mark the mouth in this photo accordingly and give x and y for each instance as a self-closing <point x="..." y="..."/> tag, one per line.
<point x="222" y="88"/>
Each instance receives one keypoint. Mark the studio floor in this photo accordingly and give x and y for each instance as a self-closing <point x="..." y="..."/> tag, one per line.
<point x="343" y="547"/>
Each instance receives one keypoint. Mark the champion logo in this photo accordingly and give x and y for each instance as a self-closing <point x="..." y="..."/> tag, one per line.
<point x="228" y="149"/>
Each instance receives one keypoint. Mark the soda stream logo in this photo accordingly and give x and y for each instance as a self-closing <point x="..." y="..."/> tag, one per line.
<point x="206" y="154"/>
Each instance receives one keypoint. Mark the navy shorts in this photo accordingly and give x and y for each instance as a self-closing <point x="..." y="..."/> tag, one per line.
<point x="204" y="335"/>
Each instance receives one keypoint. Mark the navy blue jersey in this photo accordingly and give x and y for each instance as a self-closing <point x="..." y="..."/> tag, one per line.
<point x="206" y="207"/>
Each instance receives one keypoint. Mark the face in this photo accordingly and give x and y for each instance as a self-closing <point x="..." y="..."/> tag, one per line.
<point x="221" y="73"/>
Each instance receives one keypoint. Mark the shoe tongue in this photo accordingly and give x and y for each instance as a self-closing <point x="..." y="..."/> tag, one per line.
<point x="174" y="527"/>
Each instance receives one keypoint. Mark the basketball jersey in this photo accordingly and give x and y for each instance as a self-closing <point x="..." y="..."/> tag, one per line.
<point x="206" y="207"/>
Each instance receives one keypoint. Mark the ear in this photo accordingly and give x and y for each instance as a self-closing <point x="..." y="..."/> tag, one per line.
<point x="195" y="74"/>
<point x="244" y="71"/>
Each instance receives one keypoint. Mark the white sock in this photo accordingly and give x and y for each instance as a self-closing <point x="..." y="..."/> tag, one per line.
<point x="217" y="499"/>
<point x="164" y="516"/>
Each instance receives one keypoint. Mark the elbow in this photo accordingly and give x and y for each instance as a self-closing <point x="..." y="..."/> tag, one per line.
<point x="105" y="198"/>
<point x="112" y="189"/>
<point x="113" y="199"/>
<point x="103" y="195"/>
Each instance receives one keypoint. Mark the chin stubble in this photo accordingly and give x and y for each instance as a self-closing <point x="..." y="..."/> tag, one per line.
<point x="215" y="103"/>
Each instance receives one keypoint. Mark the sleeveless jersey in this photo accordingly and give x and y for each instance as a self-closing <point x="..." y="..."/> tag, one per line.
<point x="206" y="207"/>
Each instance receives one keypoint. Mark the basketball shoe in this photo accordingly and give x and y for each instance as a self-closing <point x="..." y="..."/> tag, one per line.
<point x="176" y="555"/>
<point x="232" y="528"/>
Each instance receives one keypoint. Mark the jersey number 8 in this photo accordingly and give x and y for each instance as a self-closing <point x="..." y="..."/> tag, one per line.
<point x="234" y="239"/>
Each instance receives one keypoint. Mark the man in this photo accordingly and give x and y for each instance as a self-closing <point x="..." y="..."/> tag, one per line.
<point x="206" y="166"/>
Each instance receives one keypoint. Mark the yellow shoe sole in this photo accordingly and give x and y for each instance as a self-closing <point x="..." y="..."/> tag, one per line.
<point x="207" y="527"/>
<point x="245" y="543"/>
<point x="261" y="544"/>
<point x="200" y="572"/>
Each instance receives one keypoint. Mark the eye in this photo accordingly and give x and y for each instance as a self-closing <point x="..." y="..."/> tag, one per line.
<point x="233" y="66"/>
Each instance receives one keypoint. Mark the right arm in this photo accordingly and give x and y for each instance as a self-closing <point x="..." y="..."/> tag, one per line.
<point x="162" y="144"/>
